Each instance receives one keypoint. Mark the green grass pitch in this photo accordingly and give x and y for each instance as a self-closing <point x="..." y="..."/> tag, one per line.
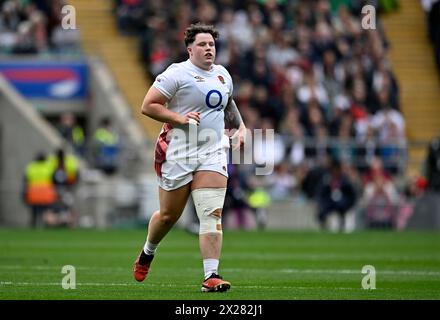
<point x="260" y="265"/>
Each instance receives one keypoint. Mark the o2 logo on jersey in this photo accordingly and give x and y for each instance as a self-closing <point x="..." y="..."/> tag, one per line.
<point x="214" y="99"/>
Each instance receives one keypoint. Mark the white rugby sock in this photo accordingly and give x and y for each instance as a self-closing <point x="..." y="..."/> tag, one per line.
<point x="150" y="248"/>
<point x="210" y="266"/>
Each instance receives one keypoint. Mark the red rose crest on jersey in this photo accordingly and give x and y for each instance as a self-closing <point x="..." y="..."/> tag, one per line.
<point x="221" y="79"/>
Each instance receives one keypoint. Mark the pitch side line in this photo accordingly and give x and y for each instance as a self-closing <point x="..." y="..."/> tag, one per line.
<point x="96" y="284"/>
<point x="253" y="270"/>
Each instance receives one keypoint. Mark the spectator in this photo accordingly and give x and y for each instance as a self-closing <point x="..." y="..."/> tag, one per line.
<point x="259" y="200"/>
<point x="414" y="190"/>
<point x="34" y="27"/>
<point x="9" y="16"/>
<point x="62" y="41"/>
<point x="128" y="14"/>
<point x="236" y="197"/>
<point x="242" y="32"/>
<point x="25" y="43"/>
<point x="39" y="22"/>
<point x="358" y="109"/>
<point x="39" y="190"/>
<point x="160" y="56"/>
<point x="65" y="176"/>
<point x="311" y="177"/>
<point x="281" y="183"/>
<point x="331" y="74"/>
<point x="266" y="107"/>
<point x="318" y="149"/>
<point x="390" y="126"/>
<point x="311" y="90"/>
<point x="293" y="136"/>
<point x="343" y="148"/>
<point x="106" y="147"/>
<point x="434" y="29"/>
<point x="9" y="22"/>
<point x="312" y="118"/>
<point x="270" y="149"/>
<point x="367" y="149"/>
<point x="433" y="165"/>
<point x="388" y="122"/>
<point x="335" y="194"/>
<point x="281" y="53"/>
<point x="380" y="199"/>
<point x="384" y="86"/>
<point x="72" y="132"/>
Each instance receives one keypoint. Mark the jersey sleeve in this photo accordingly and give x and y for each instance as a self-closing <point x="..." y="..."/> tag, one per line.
<point x="167" y="82"/>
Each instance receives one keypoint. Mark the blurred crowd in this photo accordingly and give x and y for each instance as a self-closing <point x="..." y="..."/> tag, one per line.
<point x="306" y="69"/>
<point x="432" y="9"/>
<point x="50" y="180"/>
<point x="101" y="148"/>
<point x="35" y="27"/>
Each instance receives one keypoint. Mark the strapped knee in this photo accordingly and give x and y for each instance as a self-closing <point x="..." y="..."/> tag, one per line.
<point x="209" y="204"/>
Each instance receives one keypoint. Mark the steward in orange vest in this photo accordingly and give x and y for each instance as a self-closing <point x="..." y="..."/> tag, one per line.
<point x="39" y="190"/>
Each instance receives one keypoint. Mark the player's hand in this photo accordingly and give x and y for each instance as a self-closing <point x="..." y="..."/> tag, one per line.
<point x="190" y="117"/>
<point x="238" y="139"/>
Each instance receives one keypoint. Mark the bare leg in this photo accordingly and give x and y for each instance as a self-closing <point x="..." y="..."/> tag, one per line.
<point x="172" y="204"/>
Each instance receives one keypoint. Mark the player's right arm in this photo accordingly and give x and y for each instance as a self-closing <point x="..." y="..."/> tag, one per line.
<point x="154" y="107"/>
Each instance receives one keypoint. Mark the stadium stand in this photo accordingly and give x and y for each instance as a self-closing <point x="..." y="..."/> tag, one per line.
<point x="117" y="51"/>
<point x="304" y="68"/>
<point x="414" y="66"/>
<point x="307" y="69"/>
<point x="34" y="27"/>
<point x="54" y="95"/>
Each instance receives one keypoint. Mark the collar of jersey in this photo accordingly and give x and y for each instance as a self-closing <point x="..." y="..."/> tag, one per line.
<point x="194" y="67"/>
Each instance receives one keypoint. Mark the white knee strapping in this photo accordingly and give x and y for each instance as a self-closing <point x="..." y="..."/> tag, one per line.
<point x="206" y="201"/>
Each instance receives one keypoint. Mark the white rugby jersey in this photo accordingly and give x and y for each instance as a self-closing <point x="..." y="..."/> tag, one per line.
<point x="191" y="88"/>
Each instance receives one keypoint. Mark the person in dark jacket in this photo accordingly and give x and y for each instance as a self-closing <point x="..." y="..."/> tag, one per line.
<point x="433" y="165"/>
<point x="336" y="193"/>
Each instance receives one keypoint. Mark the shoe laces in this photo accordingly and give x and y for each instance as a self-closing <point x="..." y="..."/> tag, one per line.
<point x="214" y="276"/>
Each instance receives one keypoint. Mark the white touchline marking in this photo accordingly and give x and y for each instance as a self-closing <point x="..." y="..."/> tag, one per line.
<point x="239" y="287"/>
<point x="37" y="267"/>
<point x="93" y="284"/>
<point x="432" y="273"/>
<point x="354" y="271"/>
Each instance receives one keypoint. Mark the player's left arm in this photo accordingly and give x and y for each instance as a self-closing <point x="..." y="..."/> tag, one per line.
<point x="235" y="122"/>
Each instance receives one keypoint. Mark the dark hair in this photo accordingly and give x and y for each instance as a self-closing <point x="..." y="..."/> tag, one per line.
<point x="60" y="153"/>
<point x="105" y="122"/>
<point x="335" y="164"/>
<point x="40" y="156"/>
<point x="194" y="29"/>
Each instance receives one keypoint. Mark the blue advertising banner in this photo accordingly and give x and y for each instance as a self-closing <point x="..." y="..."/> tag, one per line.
<point x="47" y="80"/>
